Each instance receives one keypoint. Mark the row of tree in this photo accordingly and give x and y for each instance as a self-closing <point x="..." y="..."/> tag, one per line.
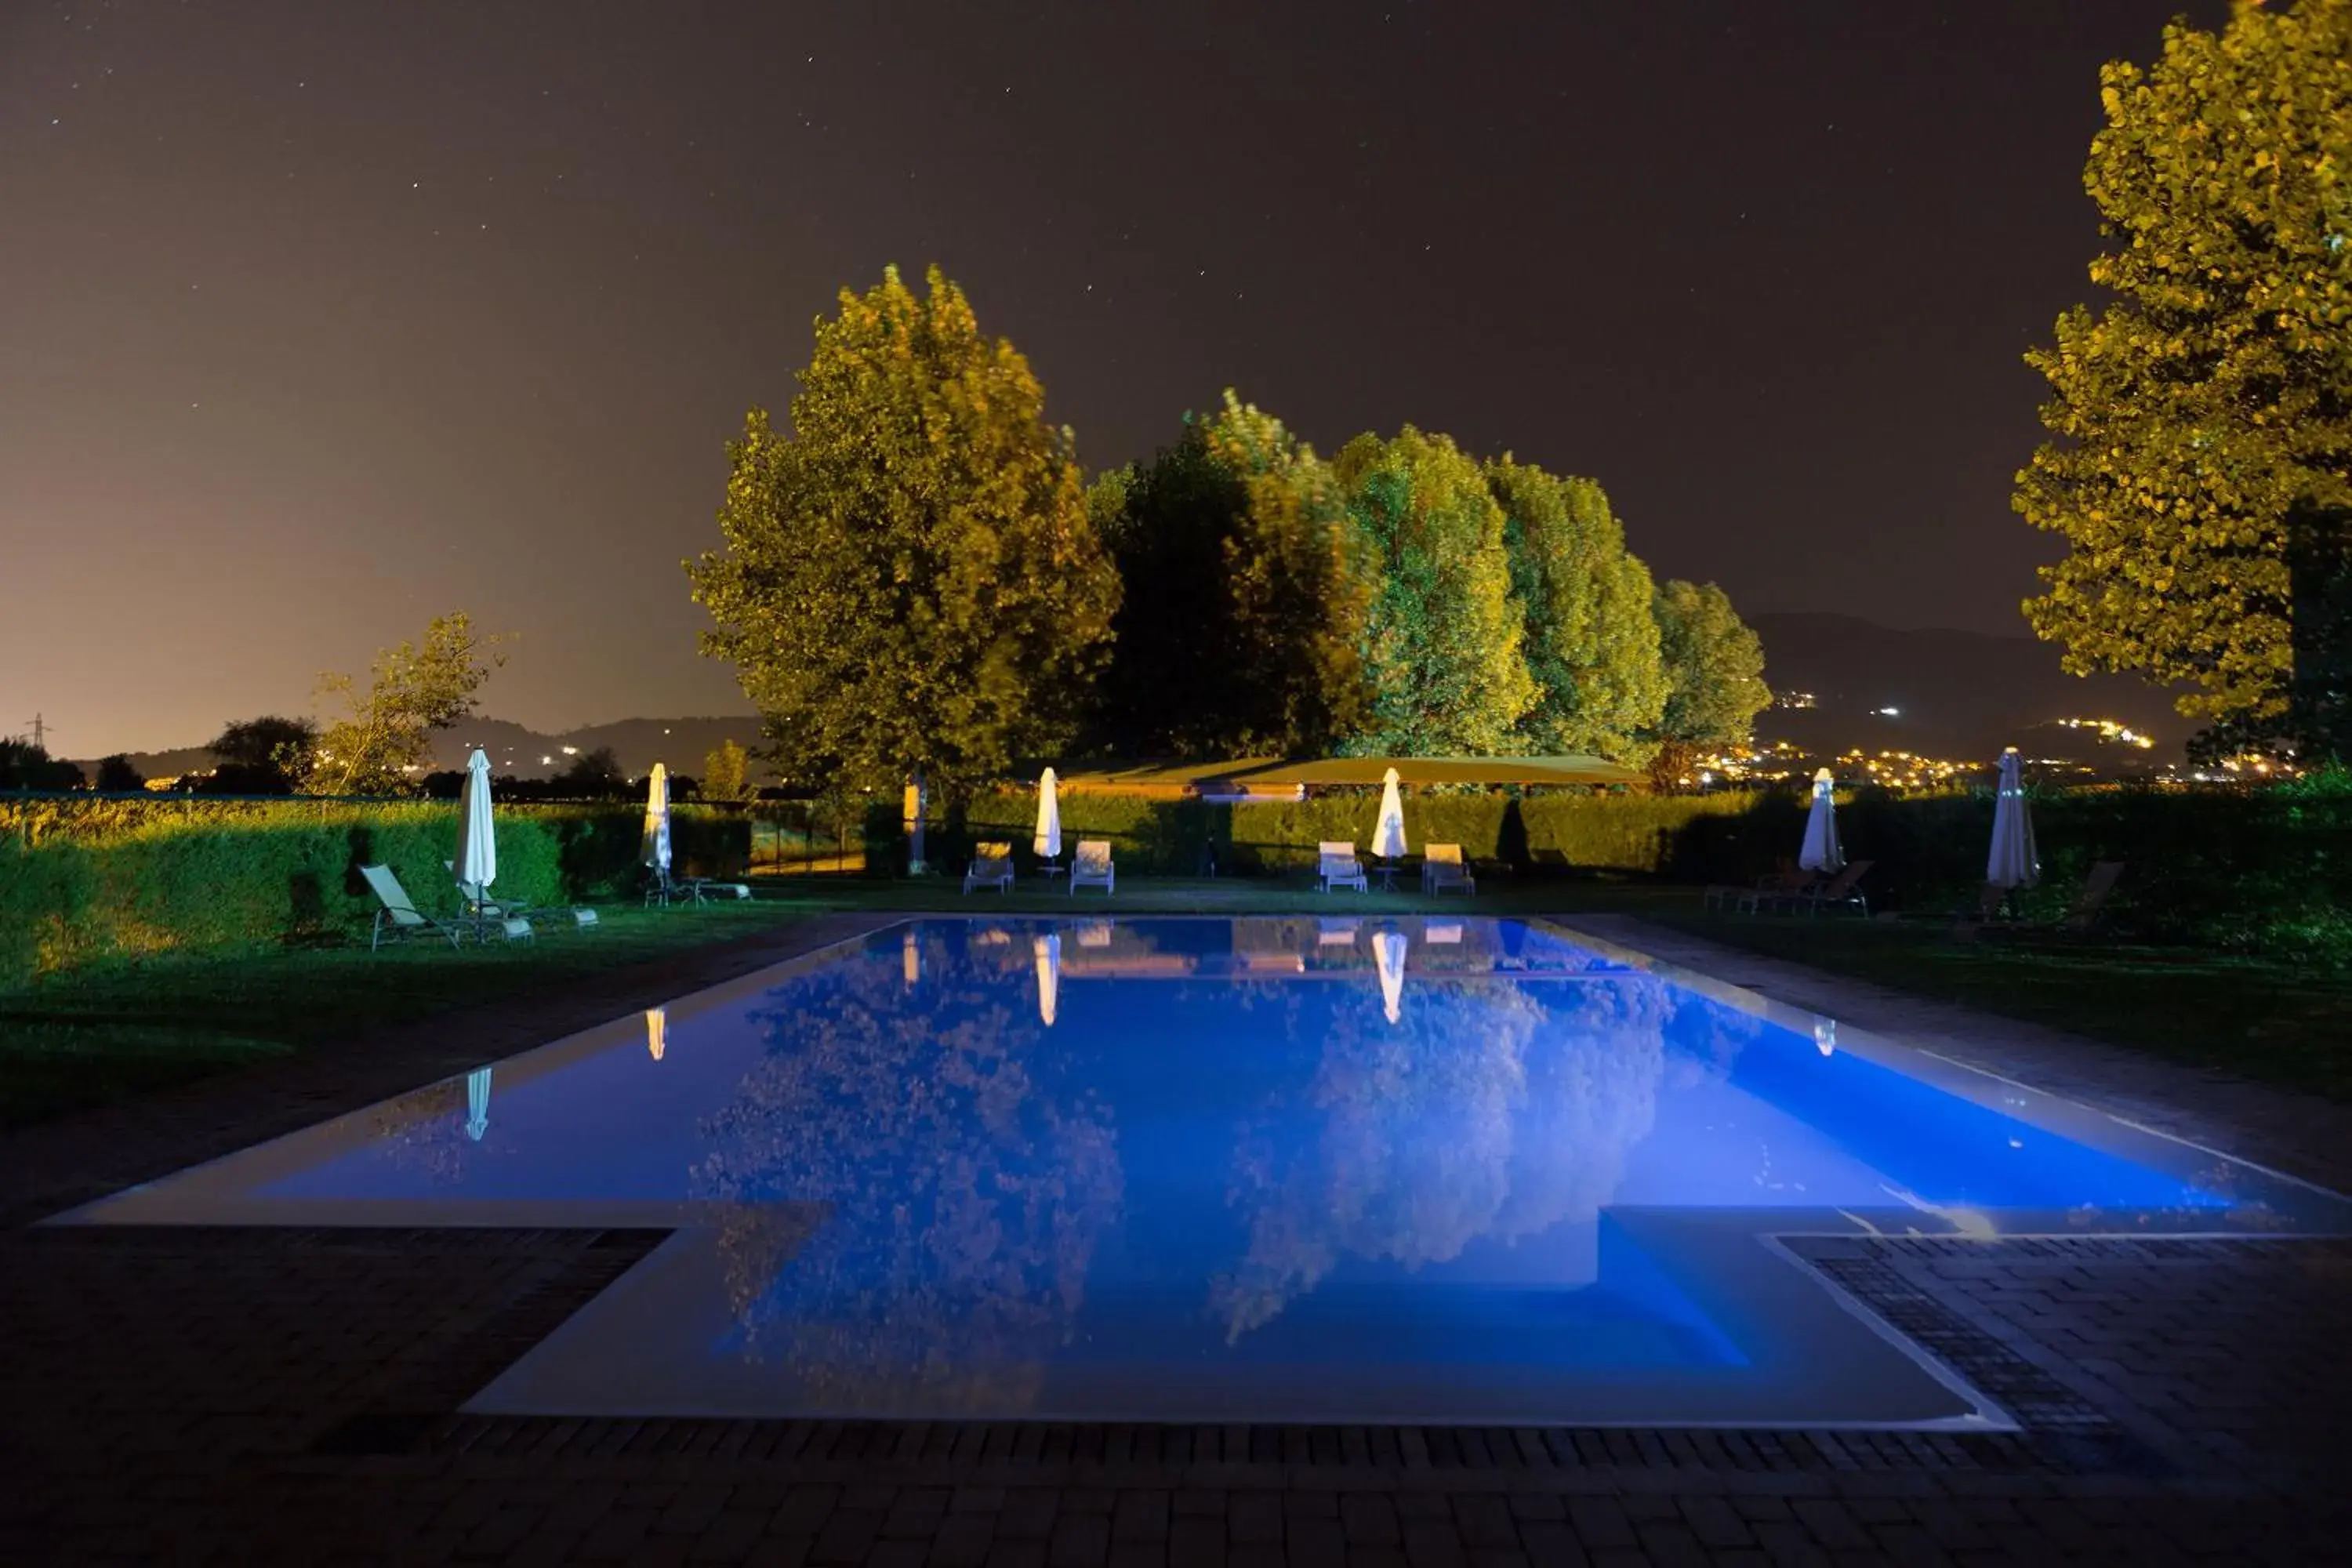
<point x="1403" y="599"/>
<point x="917" y="579"/>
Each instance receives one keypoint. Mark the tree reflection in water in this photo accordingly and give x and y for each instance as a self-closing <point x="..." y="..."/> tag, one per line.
<point x="966" y="1175"/>
<point x="425" y="1131"/>
<point x="1484" y="1111"/>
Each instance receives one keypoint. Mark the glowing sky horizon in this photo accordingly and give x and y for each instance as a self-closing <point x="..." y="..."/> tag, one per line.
<point x="321" y="321"/>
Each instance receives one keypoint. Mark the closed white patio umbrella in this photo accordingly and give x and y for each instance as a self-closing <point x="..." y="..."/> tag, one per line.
<point x="1387" y="952"/>
<point x="477" y="861"/>
<point x="2013" y="862"/>
<point x="1048" y="949"/>
<point x="1388" y="832"/>
<point x="477" y="1103"/>
<point x="653" y="853"/>
<point x="1820" y="852"/>
<point x="1048" y="840"/>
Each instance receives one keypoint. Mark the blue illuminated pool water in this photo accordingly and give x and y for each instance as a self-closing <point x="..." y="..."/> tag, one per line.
<point x="1223" y="1170"/>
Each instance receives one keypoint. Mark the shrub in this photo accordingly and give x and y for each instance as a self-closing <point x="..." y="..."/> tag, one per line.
<point x="2267" y="871"/>
<point x="86" y="879"/>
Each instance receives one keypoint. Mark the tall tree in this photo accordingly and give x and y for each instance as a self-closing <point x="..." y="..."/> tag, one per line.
<point x="117" y="776"/>
<point x="2201" y="472"/>
<point x="1171" y="687"/>
<point x="268" y="755"/>
<point x="1302" y="577"/>
<point x="24" y="765"/>
<point x="1714" y="674"/>
<point x="593" y="775"/>
<point x="909" y="581"/>
<point x="1442" y="643"/>
<point x="1590" y="636"/>
<point x="727" y="772"/>
<point x="384" y="740"/>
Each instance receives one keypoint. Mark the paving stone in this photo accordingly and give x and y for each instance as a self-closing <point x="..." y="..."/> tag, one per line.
<point x="1484" y="1519"/>
<point x="962" y="1540"/>
<point x="805" y="1508"/>
<point x="617" y="1534"/>
<point x="847" y="1537"/>
<point x="1141" y="1516"/>
<point x="691" y="1511"/>
<point x="255" y="1395"/>
<point x="729" y="1538"/>
<point x="916" y="1511"/>
<point x="1431" y="1544"/>
<point x="1601" y="1523"/>
<point x="1254" y="1518"/>
<point x="1311" y="1541"/>
<point x="1079" y="1540"/>
<point x="1370" y="1520"/>
<point x="1027" y="1514"/>
<point x="1196" y="1540"/>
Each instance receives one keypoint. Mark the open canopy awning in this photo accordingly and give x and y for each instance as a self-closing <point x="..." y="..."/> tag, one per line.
<point x="1269" y="775"/>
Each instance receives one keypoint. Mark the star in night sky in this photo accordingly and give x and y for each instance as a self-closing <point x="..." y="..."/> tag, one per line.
<point x="322" y="319"/>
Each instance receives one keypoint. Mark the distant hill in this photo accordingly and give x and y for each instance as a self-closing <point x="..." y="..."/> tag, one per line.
<point x="678" y="744"/>
<point x="525" y="752"/>
<point x="1961" y="695"/>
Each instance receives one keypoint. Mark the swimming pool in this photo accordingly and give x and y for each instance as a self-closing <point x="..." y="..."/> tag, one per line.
<point x="1294" y="1169"/>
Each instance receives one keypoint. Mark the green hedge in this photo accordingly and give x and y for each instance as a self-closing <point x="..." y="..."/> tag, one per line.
<point x="80" y="879"/>
<point x="85" y="881"/>
<point x="2268" y="871"/>
<point x="1613" y="832"/>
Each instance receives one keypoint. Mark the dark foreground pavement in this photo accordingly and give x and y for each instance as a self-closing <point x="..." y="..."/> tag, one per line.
<point x="280" y="1396"/>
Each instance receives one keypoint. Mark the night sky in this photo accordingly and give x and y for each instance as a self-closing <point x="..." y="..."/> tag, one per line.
<point x="317" y="319"/>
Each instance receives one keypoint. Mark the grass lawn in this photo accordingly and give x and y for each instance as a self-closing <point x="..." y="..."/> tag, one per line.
<point x="2287" y="1024"/>
<point x="110" y="1030"/>
<point x="117" y="1029"/>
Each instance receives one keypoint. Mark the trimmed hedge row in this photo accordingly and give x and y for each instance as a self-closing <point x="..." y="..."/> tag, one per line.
<point x="2267" y="872"/>
<point x="121" y="878"/>
<point x="1172" y="837"/>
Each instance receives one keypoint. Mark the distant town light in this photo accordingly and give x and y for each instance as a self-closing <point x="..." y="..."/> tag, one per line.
<point x="571" y="751"/>
<point x="1891" y="713"/>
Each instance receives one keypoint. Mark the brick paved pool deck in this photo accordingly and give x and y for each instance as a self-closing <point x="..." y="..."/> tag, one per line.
<point x="182" y="1394"/>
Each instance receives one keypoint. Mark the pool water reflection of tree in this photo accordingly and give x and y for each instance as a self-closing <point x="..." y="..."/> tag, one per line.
<point x="969" y="1163"/>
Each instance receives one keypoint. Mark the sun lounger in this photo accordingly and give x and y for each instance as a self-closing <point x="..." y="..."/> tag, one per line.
<point x="482" y="905"/>
<point x="991" y="867"/>
<point x="1336" y="865"/>
<point x="1839" y="892"/>
<point x="1092" y="868"/>
<point x="663" y="889"/>
<point x="1781" y="885"/>
<point x="1742" y="896"/>
<point x="2090" y="907"/>
<point x="2087" y="912"/>
<point x="397" y="918"/>
<point x="1442" y="870"/>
